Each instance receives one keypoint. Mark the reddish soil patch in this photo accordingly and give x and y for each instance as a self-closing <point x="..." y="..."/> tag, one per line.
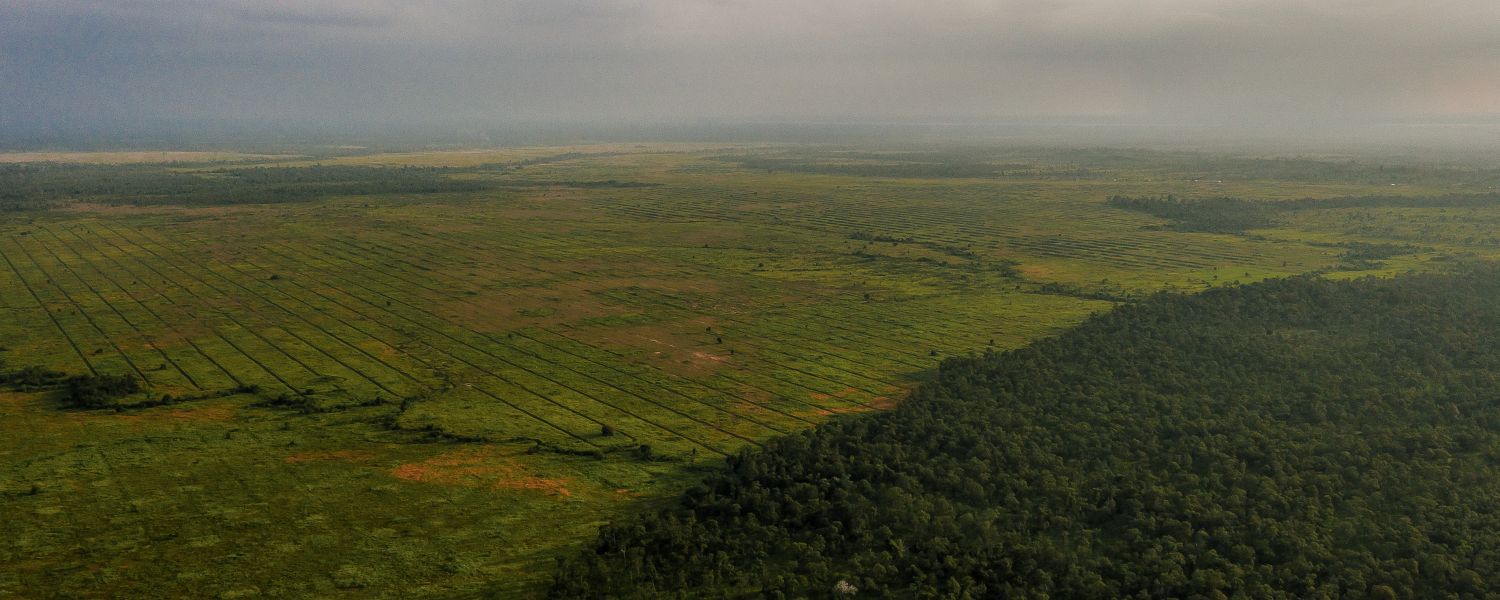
<point x="207" y="413"/>
<point x="623" y="494"/>
<point x="840" y="410"/>
<point x="203" y="414"/>
<point x="882" y="402"/>
<point x="483" y="467"/>
<point x="553" y="487"/>
<point x="877" y="403"/>
<point x="497" y="312"/>
<point x="669" y="346"/>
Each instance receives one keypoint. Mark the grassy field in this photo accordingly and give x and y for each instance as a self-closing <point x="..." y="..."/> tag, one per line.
<point x="452" y="389"/>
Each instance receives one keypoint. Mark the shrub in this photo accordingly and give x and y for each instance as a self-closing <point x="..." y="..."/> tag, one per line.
<point x="98" y="391"/>
<point x="34" y="378"/>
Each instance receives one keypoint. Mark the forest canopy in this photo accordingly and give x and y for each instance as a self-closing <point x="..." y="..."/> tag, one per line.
<point x="1236" y="215"/>
<point x="1297" y="438"/>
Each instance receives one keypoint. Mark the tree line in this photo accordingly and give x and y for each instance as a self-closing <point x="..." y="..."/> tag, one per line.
<point x="36" y="186"/>
<point x="1226" y="214"/>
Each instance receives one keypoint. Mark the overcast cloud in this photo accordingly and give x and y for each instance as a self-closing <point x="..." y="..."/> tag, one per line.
<point x="81" y="61"/>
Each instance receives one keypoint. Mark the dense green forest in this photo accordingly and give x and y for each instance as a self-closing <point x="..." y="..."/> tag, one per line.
<point x="1298" y="438"/>
<point x="1236" y="215"/>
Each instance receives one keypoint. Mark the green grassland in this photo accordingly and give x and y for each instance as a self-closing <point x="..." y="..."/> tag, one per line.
<point x="437" y="389"/>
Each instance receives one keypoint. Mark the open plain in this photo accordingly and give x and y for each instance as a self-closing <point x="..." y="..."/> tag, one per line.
<point x="431" y="374"/>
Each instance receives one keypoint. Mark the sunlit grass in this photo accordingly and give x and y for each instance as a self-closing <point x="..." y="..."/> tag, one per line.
<point x="451" y="363"/>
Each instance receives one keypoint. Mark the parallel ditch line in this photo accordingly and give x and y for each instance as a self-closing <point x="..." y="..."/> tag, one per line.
<point x="276" y="326"/>
<point x="107" y="338"/>
<point x="48" y="312"/>
<point x="486" y="371"/>
<point x="114" y="308"/>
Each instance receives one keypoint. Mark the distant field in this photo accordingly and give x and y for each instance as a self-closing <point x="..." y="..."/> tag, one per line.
<point x="120" y="158"/>
<point x="453" y="385"/>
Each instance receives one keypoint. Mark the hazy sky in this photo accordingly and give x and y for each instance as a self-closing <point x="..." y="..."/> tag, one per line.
<point x="80" y="61"/>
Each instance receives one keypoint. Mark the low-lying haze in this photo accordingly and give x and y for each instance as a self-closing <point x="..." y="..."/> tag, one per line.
<point x="82" y="63"/>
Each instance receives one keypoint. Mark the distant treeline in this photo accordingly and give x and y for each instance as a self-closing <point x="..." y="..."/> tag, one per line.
<point x="1233" y="215"/>
<point x="1195" y="165"/>
<point x="543" y="160"/>
<point x="31" y="186"/>
<point x="1097" y="163"/>
<point x="903" y="169"/>
<point x="1488" y="200"/>
<point x="867" y="169"/>
<point x="1215" y="215"/>
<point x="569" y="183"/>
<point x="1298" y="438"/>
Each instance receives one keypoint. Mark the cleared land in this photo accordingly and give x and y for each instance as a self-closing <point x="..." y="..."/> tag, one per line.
<point x="454" y="386"/>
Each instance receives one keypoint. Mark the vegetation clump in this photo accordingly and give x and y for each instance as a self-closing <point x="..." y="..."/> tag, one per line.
<point x="34" y="378"/>
<point x="1362" y="256"/>
<point x="76" y="391"/>
<point x="866" y="236"/>
<point x="98" y="391"/>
